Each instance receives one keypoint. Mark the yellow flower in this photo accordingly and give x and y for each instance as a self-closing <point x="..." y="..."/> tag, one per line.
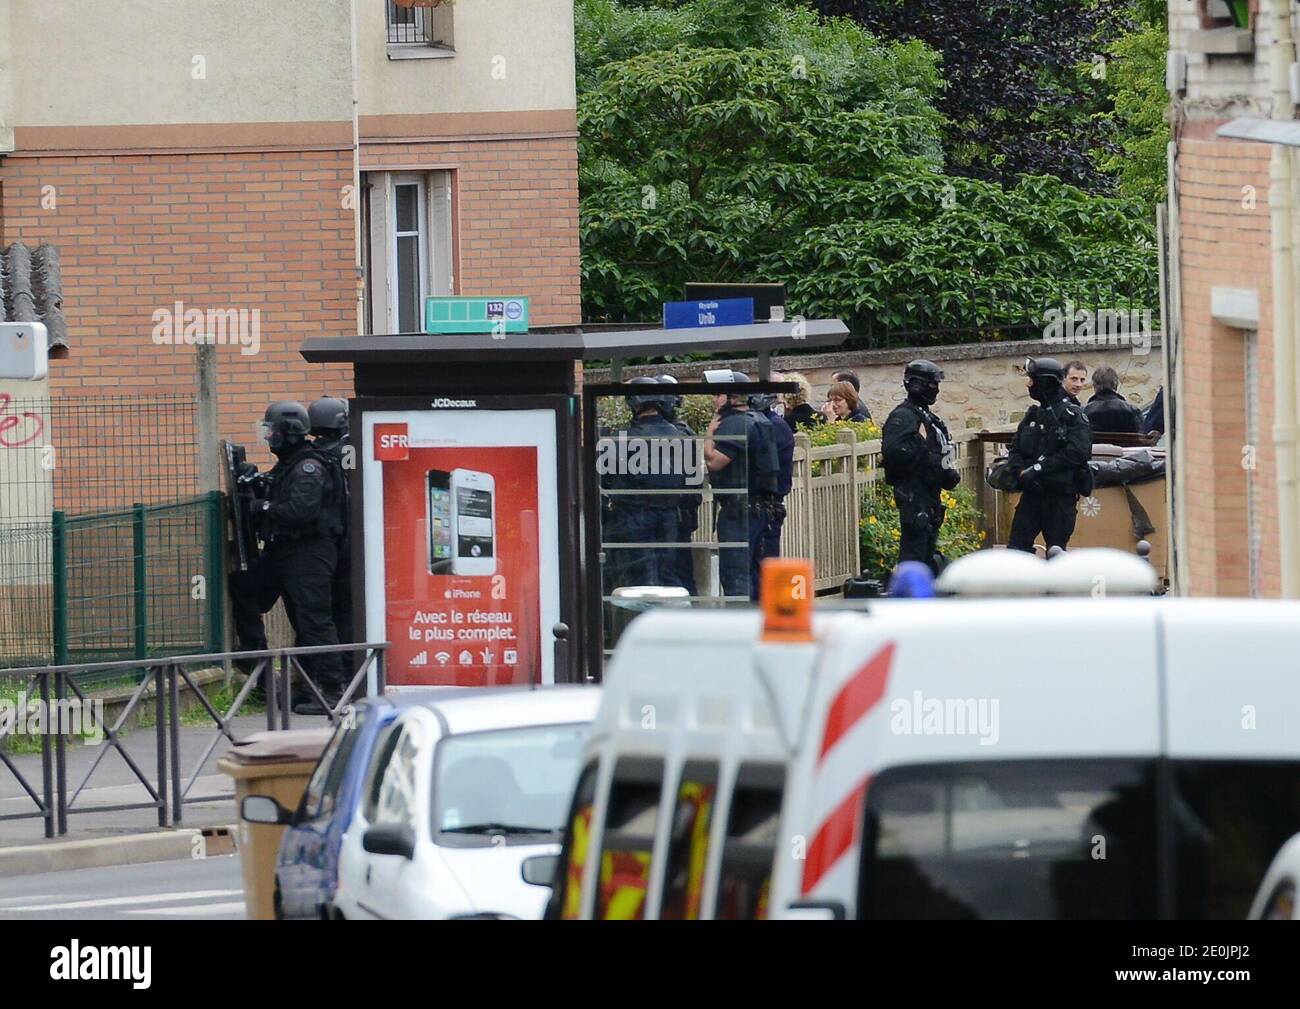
<point x="982" y="535"/>
<point x="895" y="534"/>
<point x="872" y="520"/>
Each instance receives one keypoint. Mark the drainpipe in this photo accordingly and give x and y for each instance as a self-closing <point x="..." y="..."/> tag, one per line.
<point x="357" y="194"/>
<point x="1286" y="285"/>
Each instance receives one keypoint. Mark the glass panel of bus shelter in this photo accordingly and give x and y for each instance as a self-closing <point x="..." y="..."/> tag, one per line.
<point x="676" y="521"/>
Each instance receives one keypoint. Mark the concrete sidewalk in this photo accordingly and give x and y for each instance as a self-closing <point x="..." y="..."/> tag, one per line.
<point x="94" y="837"/>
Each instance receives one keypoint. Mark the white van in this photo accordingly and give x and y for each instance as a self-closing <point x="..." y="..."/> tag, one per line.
<point x="1126" y="757"/>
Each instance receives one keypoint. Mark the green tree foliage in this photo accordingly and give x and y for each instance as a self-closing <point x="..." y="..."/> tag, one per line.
<point x="1023" y="92"/>
<point x="1136" y="73"/>
<point x="805" y="163"/>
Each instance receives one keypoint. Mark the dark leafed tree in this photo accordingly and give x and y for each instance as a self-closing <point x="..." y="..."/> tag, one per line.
<point x="1025" y="79"/>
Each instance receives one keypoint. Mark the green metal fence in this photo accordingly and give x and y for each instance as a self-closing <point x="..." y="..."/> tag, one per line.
<point x="144" y="581"/>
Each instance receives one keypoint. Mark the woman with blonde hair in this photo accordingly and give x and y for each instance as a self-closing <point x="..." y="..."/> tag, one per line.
<point x="799" y="410"/>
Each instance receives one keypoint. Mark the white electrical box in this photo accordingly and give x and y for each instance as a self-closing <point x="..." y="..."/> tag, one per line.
<point x="24" y="352"/>
<point x="1175" y="72"/>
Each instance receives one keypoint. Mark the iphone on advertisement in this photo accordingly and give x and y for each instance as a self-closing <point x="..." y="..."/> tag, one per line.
<point x="473" y="496"/>
<point x="438" y="511"/>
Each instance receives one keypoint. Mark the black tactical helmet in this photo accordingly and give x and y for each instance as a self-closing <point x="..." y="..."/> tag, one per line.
<point x="328" y="416"/>
<point x="724" y="376"/>
<point x="669" y="380"/>
<point x="1046" y="367"/>
<point x="661" y="401"/>
<point x="1046" y="376"/>
<point x="921" y="379"/>
<point x="284" y="424"/>
<point x="762" y="400"/>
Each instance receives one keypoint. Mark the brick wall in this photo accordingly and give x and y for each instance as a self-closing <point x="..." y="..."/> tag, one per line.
<point x="137" y="233"/>
<point x="516" y="208"/>
<point x="267" y="230"/>
<point x="1224" y="244"/>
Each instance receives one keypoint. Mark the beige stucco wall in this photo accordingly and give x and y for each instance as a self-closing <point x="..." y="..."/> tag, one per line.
<point x="6" y="78"/>
<point x="1221" y="87"/>
<point x="528" y="43"/>
<point x="87" y="62"/>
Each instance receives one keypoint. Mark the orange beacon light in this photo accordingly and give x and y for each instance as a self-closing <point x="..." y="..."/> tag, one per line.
<point x="787" y="595"/>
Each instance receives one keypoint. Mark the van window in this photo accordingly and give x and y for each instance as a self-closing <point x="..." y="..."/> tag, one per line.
<point x="688" y="843"/>
<point x="630" y="819"/>
<point x="374" y="777"/>
<point x="323" y="788"/>
<point x="1230" y="819"/>
<point x="396" y="798"/>
<point x="749" y="850"/>
<point x="1023" y="839"/>
<point x="566" y="900"/>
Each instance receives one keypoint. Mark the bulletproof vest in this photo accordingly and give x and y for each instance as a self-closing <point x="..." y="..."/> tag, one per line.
<point x="651" y="454"/>
<point x="765" y="467"/>
<point x="329" y="521"/>
<point x="332" y="451"/>
<point x="784" y="441"/>
<point x="937" y="442"/>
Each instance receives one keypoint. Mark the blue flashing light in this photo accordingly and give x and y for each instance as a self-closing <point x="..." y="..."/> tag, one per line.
<point x="912" y="580"/>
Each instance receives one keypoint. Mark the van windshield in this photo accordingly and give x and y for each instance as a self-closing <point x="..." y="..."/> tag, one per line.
<point x="511" y="783"/>
<point x="1025" y="839"/>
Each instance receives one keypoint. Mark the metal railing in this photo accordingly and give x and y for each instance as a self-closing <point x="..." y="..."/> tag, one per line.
<point x="168" y="788"/>
<point x="407" y="24"/>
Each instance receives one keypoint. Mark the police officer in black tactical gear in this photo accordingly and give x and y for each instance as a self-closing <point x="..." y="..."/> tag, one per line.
<point x="688" y="505"/>
<point x="1049" y="456"/>
<point x="737" y="458"/>
<point x="762" y="406"/>
<point x="299" y="522"/>
<point x="650" y="456"/>
<point x="328" y="417"/>
<point x="917" y="455"/>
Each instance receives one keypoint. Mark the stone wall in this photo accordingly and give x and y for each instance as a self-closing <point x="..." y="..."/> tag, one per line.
<point x="990" y="390"/>
<point x="982" y="387"/>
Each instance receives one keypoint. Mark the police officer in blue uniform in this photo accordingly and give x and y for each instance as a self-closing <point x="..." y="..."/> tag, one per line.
<point x="688" y="505"/>
<point x="645" y="511"/>
<point x="762" y="405"/>
<point x="300" y="523"/>
<point x="734" y="456"/>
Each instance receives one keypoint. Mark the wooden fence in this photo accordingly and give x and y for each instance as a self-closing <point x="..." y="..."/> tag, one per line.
<point x="825" y="504"/>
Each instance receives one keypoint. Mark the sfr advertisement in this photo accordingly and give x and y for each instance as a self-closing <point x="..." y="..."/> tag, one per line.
<point x="462" y="574"/>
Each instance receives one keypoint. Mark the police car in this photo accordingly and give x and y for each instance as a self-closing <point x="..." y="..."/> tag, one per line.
<point x="1072" y="748"/>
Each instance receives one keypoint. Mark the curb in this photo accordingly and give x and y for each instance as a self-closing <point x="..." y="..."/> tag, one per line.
<point x="101" y="852"/>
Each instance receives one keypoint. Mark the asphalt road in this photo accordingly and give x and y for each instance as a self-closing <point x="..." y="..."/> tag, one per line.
<point x="181" y="890"/>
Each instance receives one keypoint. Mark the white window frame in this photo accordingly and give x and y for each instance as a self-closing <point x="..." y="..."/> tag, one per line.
<point x="419" y="23"/>
<point x="423" y="267"/>
<point x="437" y="273"/>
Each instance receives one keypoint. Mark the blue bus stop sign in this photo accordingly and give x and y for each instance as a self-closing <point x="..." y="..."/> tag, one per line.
<point x="703" y="314"/>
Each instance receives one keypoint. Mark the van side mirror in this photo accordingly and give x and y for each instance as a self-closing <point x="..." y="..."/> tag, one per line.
<point x="389" y="840"/>
<point x="264" y="809"/>
<point x="539" y="870"/>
